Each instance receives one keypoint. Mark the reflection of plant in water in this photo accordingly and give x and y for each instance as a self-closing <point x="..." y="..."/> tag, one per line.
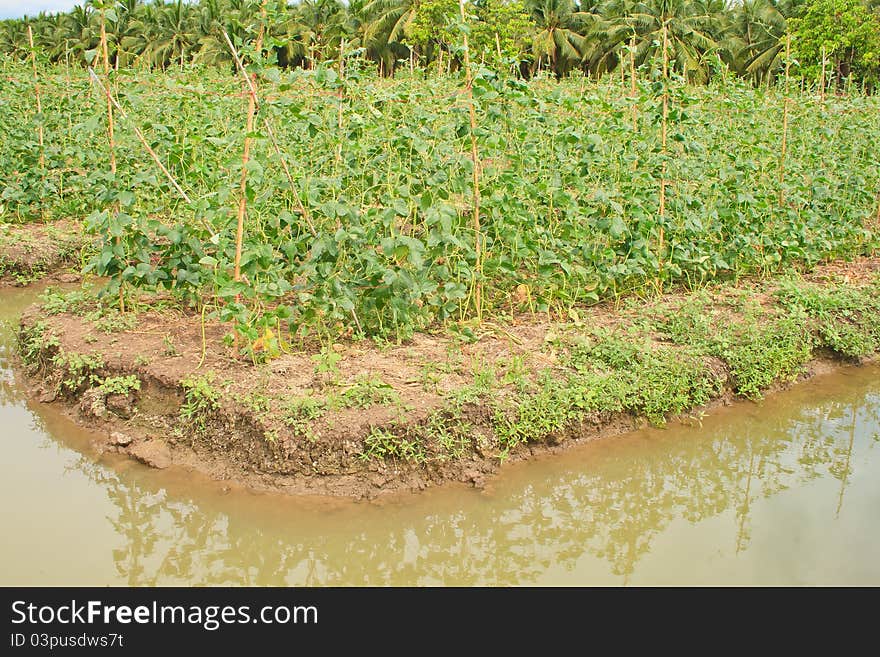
<point x="614" y="512"/>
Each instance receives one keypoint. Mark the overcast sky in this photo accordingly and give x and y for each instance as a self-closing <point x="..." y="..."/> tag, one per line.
<point x="18" y="8"/>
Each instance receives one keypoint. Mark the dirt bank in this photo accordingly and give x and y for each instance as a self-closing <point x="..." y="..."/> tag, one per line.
<point x="31" y="252"/>
<point x="360" y="419"/>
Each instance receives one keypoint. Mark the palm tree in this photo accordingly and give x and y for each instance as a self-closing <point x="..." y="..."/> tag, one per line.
<point x="212" y="18"/>
<point x="386" y="31"/>
<point x="13" y="38"/>
<point x="319" y="26"/>
<point x="82" y="32"/>
<point x="758" y="29"/>
<point x="559" y="40"/>
<point x="694" y="29"/>
<point x="169" y="33"/>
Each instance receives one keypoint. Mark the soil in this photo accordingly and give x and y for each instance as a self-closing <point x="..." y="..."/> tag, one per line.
<point x="250" y="437"/>
<point x="40" y="251"/>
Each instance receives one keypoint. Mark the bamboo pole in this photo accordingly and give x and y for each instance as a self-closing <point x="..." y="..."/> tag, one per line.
<point x="250" y="85"/>
<point x="341" y="101"/>
<point x="106" y="62"/>
<point x="141" y="138"/>
<point x="110" y="138"/>
<point x="477" y="282"/>
<point x="37" y="94"/>
<point x="785" y="101"/>
<point x="663" y="138"/>
<point x="822" y="78"/>
<point x="633" y="89"/>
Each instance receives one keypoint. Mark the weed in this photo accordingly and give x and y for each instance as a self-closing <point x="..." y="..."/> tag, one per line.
<point x="36" y="342"/>
<point x="759" y="355"/>
<point x="111" y="321"/>
<point x="451" y="433"/>
<point x="301" y="412"/>
<point x="846" y="318"/>
<point x="368" y="390"/>
<point x="327" y="365"/>
<point x="382" y="444"/>
<point x="76" y="302"/>
<point x="120" y="385"/>
<point x="168" y="347"/>
<point x="77" y="370"/>
<point x="200" y="398"/>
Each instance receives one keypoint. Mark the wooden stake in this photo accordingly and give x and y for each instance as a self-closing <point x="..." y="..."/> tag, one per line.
<point x="822" y="78"/>
<point x="475" y="157"/>
<point x="785" y="101"/>
<point x="110" y="139"/>
<point x="106" y="61"/>
<point x="341" y="100"/>
<point x="663" y="134"/>
<point x="37" y="94"/>
<point x="246" y="153"/>
<point x="633" y="90"/>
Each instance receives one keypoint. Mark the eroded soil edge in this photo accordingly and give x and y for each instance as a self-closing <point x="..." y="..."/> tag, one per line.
<point x="361" y="419"/>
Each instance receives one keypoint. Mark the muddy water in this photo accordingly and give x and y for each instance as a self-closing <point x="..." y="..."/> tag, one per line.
<point x="782" y="492"/>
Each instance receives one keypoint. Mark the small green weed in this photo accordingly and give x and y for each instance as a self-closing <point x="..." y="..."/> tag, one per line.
<point x="200" y="398"/>
<point x="78" y="370"/>
<point x="368" y="390"/>
<point x="120" y="385"/>
<point x="382" y="444"/>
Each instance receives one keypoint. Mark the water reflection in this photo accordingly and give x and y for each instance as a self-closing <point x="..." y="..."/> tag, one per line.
<point x="608" y="501"/>
<point x="735" y="498"/>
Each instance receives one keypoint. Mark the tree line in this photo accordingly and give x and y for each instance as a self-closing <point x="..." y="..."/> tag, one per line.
<point x="830" y="40"/>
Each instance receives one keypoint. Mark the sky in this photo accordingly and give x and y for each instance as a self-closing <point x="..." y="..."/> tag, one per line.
<point x="18" y="8"/>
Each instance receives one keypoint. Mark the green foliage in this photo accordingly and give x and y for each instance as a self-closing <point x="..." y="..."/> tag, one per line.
<point x="383" y="444"/>
<point x="845" y="318"/>
<point x="77" y="302"/>
<point x="301" y="412"/>
<point x="434" y="22"/>
<point x="120" y="385"/>
<point x="368" y="390"/>
<point x="327" y="365"/>
<point x="761" y="353"/>
<point x="452" y="434"/>
<point x="201" y="397"/>
<point x="845" y="32"/>
<point x="567" y="219"/>
<point x="612" y="373"/>
<point x="77" y="370"/>
<point x="36" y="343"/>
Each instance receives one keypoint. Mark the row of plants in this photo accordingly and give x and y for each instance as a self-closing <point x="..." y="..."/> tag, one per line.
<point x="364" y="214"/>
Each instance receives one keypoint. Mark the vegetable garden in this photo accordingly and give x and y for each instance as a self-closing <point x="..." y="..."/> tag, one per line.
<point x="379" y="207"/>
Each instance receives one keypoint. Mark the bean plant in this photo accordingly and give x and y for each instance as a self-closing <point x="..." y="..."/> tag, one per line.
<point x="359" y="188"/>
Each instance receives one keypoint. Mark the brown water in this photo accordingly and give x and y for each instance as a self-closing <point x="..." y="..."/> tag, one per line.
<point x="782" y="492"/>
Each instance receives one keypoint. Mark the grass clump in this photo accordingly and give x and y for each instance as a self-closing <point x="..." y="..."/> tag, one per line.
<point x="200" y="398"/>
<point x="120" y="385"/>
<point x="77" y="371"/>
<point x="845" y="319"/>
<point x="368" y="390"/>
<point x="383" y="444"/>
<point x="760" y="353"/>
<point x="35" y="342"/>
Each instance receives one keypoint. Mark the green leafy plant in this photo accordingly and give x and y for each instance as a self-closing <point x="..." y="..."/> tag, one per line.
<point x="120" y="385"/>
